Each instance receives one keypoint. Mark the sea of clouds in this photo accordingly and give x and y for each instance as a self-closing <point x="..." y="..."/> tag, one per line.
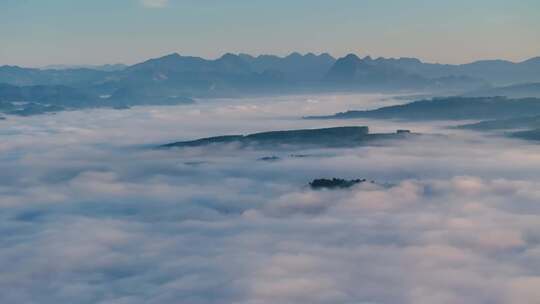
<point x="91" y="213"/>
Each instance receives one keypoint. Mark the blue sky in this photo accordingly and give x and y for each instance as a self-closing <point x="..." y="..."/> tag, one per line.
<point x="37" y="32"/>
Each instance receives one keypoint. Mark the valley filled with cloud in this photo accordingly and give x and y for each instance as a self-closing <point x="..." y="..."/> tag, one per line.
<point x="92" y="212"/>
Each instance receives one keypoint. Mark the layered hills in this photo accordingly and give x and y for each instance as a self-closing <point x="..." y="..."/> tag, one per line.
<point x="174" y="78"/>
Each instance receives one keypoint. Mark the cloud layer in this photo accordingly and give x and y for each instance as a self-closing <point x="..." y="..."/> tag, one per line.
<point x="88" y="214"/>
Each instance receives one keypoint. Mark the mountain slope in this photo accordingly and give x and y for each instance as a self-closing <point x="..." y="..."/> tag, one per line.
<point x="496" y="72"/>
<point x="294" y="67"/>
<point x="305" y="138"/>
<point x="18" y="76"/>
<point x="451" y="108"/>
<point x="514" y="91"/>
<point x="351" y="71"/>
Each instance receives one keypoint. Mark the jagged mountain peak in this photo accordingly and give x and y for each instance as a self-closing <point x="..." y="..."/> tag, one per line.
<point x="350" y="57"/>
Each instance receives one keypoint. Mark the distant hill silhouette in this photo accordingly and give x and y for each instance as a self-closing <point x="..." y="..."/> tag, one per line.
<point x="521" y="122"/>
<point x="514" y="91"/>
<point x="495" y="72"/>
<point x="450" y="108"/>
<point x="104" y="67"/>
<point x="336" y="137"/>
<point x="19" y="76"/>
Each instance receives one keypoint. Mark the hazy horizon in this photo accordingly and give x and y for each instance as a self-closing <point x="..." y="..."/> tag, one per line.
<point x="130" y="31"/>
<point x="60" y="64"/>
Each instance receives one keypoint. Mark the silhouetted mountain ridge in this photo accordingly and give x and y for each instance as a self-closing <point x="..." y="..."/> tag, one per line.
<point x="173" y="77"/>
<point x="336" y="137"/>
<point x="353" y="72"/>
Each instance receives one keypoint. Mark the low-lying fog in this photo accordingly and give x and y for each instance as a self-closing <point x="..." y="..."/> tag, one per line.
<point x="89" y="213"/>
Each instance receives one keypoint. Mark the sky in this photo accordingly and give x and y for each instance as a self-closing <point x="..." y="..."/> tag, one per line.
<point x="38" y="33"/>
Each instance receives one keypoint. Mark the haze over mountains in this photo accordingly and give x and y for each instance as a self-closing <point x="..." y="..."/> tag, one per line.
<point x="103" y="67"/>
<point x="517" y="90"/>
<point x="173" y="79"/>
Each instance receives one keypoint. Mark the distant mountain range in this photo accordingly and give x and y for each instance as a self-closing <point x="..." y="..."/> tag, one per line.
<point x="175" y="79"/>
<point x="295" y="67"/>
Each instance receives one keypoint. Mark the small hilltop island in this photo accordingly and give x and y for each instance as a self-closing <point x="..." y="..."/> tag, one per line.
<point x="335" y="137"/>
<point x="334" y="183"/>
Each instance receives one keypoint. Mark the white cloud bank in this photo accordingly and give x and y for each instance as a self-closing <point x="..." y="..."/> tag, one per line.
<point x="85" y="217"/>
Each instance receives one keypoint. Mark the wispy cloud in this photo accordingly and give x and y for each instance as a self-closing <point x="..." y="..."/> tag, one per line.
<point x="154" y="3"/>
